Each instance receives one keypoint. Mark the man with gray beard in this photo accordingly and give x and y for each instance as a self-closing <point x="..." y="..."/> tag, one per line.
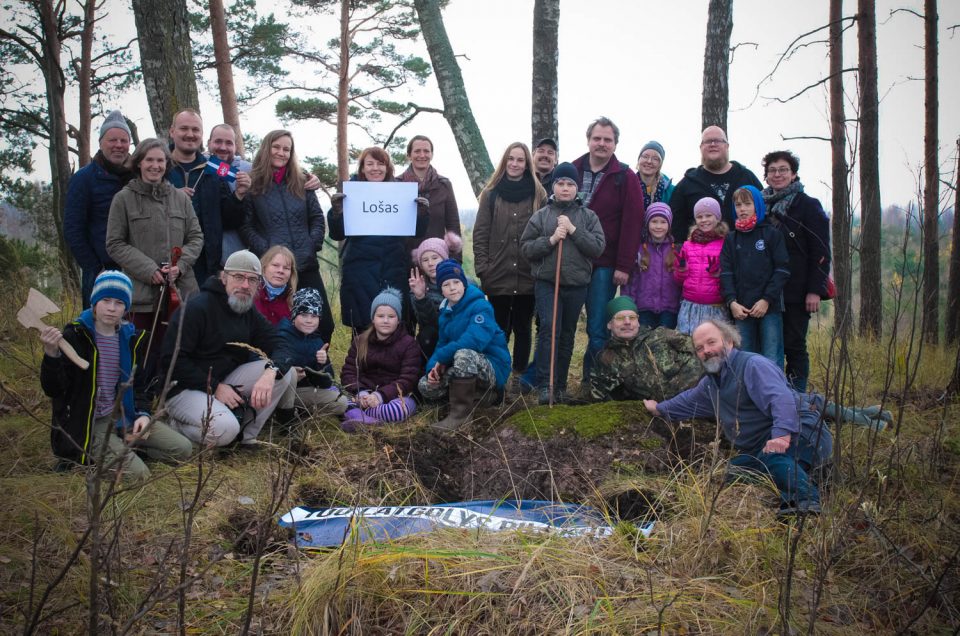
<point x="217" y="323"/>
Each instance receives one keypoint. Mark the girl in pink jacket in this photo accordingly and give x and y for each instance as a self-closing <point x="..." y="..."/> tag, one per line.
<point x="699" y="268"/>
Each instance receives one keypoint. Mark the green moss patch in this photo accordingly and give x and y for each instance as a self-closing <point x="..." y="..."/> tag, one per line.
<point x="589" y="421"/>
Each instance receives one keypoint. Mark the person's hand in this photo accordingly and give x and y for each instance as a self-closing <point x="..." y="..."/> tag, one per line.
<point x="157" y="278"/>
<point x="738" y="311"/>
<point x="418" y="284"/>
<point x="139" y="431"/>
<point x="312" y="182"/>
<point x="170" y="273"/>
<point x="338" y="196"/>
<point x="228" y="396"/>
<point x="243" y="184"/>
<point x="187" y="191"/>
<point x="301" y="374"/>
<point x="51" y="337"/>
<point x="336" y="201"/>
<point x="322" y="354"/>
<point x="373" y="400"/>
<point x="759" y="309"/>
<point x="813" y="303"/>
<point x="424" y="201"/>
<point x="433" y="377"/>
<point x="559" y="234"/>
<point x="651" y="406"/>
<point x="564" y="220"/>
<point x="263" y="389"/>
<point x="620" y="278"/>
<point x="777" y="445"/>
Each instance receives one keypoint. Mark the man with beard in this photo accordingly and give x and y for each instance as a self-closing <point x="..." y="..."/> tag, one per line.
<point x="89" y="196"/>
<point x="773" y="429"/>
<point x="217" y="324"/>
<point x="716" y="177"/>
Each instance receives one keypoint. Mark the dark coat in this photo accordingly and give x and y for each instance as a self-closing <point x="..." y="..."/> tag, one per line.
<point x="806" y="230"/>
<point x="298" y="349"/>
<point x="580" y="248"/>
<point x="427" y="312"/>
<point x="85" y="214"/>
<point x="391" y="367"/>
<point x="278" y="217"/>
<point x="754" y="265"/>
<point x="74" y="391"/>
<point x="443" y="213"/>
<point x="698" y="183"/>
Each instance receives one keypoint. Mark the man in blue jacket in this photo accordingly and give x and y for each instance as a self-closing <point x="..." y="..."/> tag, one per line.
<point x="89" y="195"/>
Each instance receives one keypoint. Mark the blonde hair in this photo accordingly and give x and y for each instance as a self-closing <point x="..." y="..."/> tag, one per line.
<point x="284" y="251"/>
<point x="261" y="176"/>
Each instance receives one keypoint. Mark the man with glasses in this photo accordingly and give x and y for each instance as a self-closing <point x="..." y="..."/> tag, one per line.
<point x="716" y="177"/>
<point x="639" y="363"/>
<point x="211" y="356"/>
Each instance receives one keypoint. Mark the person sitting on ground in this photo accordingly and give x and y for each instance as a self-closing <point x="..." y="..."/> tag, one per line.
<point x="563" y="218"/>
<point x="471" y="353"/>
<point x="274" y="297"/>
<point x="382" y="367"/>
<point x="303" y="349"/>
<point x="84" y="409"/>
<point x="425" y="294"/>
<point x="771" y="427"/>
<point x="211" y="353"/>
<point x="640" y="362"/>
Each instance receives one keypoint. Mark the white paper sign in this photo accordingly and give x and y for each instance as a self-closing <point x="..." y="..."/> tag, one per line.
<point x="379" y="208"/>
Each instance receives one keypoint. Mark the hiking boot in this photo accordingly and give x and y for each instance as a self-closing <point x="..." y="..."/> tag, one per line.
<point x="462" y="392"/>
<point x="804" y="508"/>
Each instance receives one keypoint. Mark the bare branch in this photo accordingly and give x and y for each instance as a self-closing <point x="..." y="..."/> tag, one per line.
<point x="785" y="138"/>
<point x="733" y="49"/>
<point x="810" y="87"/>
<point x="416" y="111"/>
<point x="910" y="11"/>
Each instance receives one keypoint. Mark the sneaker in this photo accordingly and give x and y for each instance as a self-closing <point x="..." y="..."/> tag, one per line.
<point x="811" y="508"/>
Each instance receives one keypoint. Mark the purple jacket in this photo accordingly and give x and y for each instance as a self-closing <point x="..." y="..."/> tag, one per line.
<point x="391" y="366"/>
<point x="654" y="289"/>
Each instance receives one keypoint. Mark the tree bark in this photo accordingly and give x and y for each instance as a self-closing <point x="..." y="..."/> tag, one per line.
<point x="953" y="283"/>
<point x="716" y="64"/>
<point x="931" y="173"/>
<point x="343" y="93"/>
<point x="546" y="60"/>
<point x="456" y="105"/>
<point x="221" y="56"/>
<point x="166" y="59"/>
<point x="840" y="218"/>
<point x="871" y="307"/>
<point x="84" y="77"/>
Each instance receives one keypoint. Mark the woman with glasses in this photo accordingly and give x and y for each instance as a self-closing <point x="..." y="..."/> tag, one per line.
<point x="657" y="187"/>
<point x="278" y="210"/>
<point x="806" y="230"/>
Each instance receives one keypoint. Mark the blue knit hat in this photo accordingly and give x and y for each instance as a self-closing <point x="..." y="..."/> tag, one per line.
<point x="112" y="284"/>
<point x="758" y="203"/>
<point x="391" y="298"/>
<point x="566" y="170"/>
<point x="448" y="270"/>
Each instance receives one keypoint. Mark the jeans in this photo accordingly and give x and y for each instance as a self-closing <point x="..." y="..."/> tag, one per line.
<point x="796" y="320"/>
<point x="569" y="304"/>
<point x="666" y="319"/>
<point x="600" y="291"/>
<point x="763" y="336"/>
<point x="789" y="471"/>
<point x="514" y="314"/>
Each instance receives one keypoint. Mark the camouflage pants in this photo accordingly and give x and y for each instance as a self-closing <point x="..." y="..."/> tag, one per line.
<point x="466" y="363"/>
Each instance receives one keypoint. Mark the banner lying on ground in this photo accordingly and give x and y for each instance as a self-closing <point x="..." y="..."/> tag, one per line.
<point x="319" y="527"/>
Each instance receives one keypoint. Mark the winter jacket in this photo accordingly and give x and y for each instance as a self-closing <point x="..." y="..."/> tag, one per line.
<point x="146" y="222"/>
<point x="470" y="325"/>
<point x="580" y="249"/>
<point x="806" y="231"/>
<point x="427" y="312"/>
<point x="698" y="183"/>
<point x="502" y="269"/>
<point x="391" y="367"/>
<point x="618" y="203"/>
<point x="664" y="183"/>
<point x="273" y="310"/>
<point x="85" y="214"/>
<point x="208" y="325"/>
<point x="700" y="276"/>
<point x="444" y="215"/>
<point x="278" y="217"/>
<point x="654" y="289"/>
<point x="368" y="264"/>
<point x="216" y="207"/>
<point x="298" y="349"/>
<point x="754" y="265"/>
<point x="74" y="391"/>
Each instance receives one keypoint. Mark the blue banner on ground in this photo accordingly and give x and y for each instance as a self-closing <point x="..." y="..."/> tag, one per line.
<point x="325" y="527"/>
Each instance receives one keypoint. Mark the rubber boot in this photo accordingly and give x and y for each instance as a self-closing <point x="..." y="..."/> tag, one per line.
<point x="462" y="392"/>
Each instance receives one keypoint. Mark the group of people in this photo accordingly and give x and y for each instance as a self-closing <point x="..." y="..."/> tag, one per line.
<point x="239" y="242"/>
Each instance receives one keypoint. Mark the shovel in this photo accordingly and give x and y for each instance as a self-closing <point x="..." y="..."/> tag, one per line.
<point x="32" y="314"/>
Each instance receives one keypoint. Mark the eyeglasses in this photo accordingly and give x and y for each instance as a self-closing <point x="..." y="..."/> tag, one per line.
<point x="651" y="157"/>
<point x="239" y="279"/>
<point x="713" y="142"/>
<point x="628" y="318"/>
<point x="779" y="171"/>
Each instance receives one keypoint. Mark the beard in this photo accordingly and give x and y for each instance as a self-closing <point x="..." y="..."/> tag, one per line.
<point x="715" y="165"/>
<point x="714" y="364"/>
<point x="240" y="304"/>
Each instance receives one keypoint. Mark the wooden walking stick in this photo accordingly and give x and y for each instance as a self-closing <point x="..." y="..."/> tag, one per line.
<point x="553" y="321"/>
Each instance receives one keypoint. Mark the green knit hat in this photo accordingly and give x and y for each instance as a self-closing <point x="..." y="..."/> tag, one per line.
<point x="618" y="304"/>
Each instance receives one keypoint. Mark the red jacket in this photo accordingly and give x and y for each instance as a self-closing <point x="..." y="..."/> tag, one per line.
<point x="273" y="310"/>
<point x="391" y="367"/>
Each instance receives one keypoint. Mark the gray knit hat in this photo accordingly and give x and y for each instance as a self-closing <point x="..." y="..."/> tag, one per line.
<point x="243" y="261"/>
<point x="391" y="298"/>
<point x="114" y="120"/>
<point x="655" y="146"/>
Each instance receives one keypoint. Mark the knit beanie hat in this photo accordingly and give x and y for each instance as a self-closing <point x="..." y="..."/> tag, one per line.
<point x="618" y="304"/>
<point x="306" y="301"/>
<point x="391" y="298"/>
<point x="656" y="147"/>
<point x="243" y="261"/>
<point x="707" y="204"/>
<point x="449" y="243"/>
<point x="758" y="203"/>
<point x="566" y="170"/>
<point x="112" y="284"/>
<point x="658" y="209"/>
<point x="450" y="269"/>
<point x="114" y="120"/>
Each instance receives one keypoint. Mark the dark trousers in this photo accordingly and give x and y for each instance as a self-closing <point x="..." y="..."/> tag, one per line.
<point x="796" y="321"/>
<point x="312" y="279"/>
<point x="514" y="314"/>
<point x="789" y="471"/>
<point x="569" y="305"/>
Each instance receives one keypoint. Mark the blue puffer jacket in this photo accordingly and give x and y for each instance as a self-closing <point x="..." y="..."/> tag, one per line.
<point x="470" y="325"/>
<point x="85" y="213"/>
<point x="298" y="349"/>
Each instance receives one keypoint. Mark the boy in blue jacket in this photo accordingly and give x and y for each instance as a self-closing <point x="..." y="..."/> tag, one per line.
<point x="471" y="351"/>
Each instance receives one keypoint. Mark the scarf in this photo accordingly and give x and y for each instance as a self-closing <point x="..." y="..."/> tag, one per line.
<point x="279" y="174"/>
<point x="273" y="292"/>
<point x="746" y="226"/>
<point x="121" y="171"/>
<point x="657" y="192"/>
<point x="428" y="179"/>
<point x="701" y="237"/>
<point x="515" y="191"/>
<point x="779" y="201"/>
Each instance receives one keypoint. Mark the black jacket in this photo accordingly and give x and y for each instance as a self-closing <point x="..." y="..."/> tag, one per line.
<point x="754" y="265"/>
<point x="698" y="183"/>
<point x="806" y="230"/>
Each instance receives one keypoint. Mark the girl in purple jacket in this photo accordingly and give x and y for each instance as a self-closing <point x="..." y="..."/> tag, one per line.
<point x="699" y="269"/>
<point x="652" y="286"/>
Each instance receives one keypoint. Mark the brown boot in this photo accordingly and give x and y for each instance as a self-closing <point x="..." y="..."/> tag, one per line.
<point x="462" y="392"/>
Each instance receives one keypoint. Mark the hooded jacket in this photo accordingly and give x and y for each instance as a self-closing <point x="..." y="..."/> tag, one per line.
<point x="698" y="183"/>
<point x="700" y="276"/>
<point x="278" y="217"/>
<point x="298" y="349"/>
<point x="580" y="249"/>
<point x="655" y="288"/>
<point x="391" y="367"/>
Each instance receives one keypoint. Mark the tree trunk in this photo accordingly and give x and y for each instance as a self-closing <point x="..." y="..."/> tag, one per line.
<point x="931" y="173"/>
<point x="343" y="93"/>
<point x="716" y="64"/>
<point x="84" y="77"/>
<point x="221" y="56"/>
<point x="166" y="59"/>
<point x="871" y="307"/>
<point x="546" y="59"/>
<point x="953" y="284"/>
<point x="842" y="270"/>
<point x="456" y="105"/>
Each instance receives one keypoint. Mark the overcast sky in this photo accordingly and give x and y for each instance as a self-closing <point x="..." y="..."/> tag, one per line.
<point x="640" y="62"/>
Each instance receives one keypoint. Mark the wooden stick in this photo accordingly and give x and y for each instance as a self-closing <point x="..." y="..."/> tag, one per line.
<point x="553" y="322"/>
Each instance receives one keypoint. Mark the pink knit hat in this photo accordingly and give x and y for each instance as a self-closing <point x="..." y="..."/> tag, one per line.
<point x="449" y="243"/>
